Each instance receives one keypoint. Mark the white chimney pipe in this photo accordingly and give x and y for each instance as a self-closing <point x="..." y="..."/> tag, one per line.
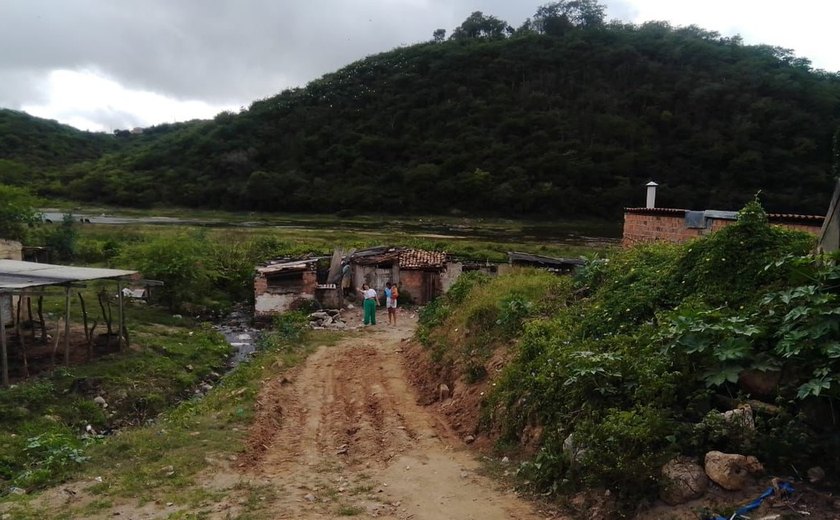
<point x="651" y="194"/>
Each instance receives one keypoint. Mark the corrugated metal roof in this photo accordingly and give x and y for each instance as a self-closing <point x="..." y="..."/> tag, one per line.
<point x="515" y="256"/>
<point x="419" y="259"/>
<point x="15" y="274"/>
<point x="772" y="217"/>
<point x="375" y="255"/>
<point x="291" y="265"/>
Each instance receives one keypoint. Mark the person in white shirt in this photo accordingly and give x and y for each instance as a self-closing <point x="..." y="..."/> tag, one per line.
<point x="369" y="307"/>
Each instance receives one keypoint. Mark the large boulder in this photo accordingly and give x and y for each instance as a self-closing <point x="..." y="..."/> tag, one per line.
<point x="731" y="471"/>
<point x="683" y="479"/>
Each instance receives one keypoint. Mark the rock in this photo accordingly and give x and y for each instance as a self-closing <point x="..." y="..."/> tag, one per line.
<point x="741" y="417"/>
<point x="443" y="392"/>
<point x="333" y="312"/>
<point x="189" y="368"/>
<point x="177" y="316"/>
<point x="309" y="497"/>
<point x="52" y="418"/>
<point x="505" y="460"/>
<point x="682" y="480"/>
<point x="337" y="325"/>
<point x="319" y="315"/>
<point x="469" y="439"/>
<point x="205" y="387"/>
<point x="731" y="471"/>
<point x="816" y="474"/>
<point x="100" y="401"/>
<point x="17" y="491"/>
<point x="572" y="450"/>
<point x="351" y="306"/>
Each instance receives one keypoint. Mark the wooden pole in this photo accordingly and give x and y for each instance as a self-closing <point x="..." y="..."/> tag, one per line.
<point x="19" y="329"/>
<point x="3" y="352"/>
<point x="67" y="326"/>
<point x="121" y="317"/>
<point x="88" y="332"/>
<point x="41" y="320"/>
<point x="31" y="321"/>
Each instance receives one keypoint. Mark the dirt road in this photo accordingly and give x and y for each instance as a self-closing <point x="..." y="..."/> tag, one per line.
<point x="343" y="435"/>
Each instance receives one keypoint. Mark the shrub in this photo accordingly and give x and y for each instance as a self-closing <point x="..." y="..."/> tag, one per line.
<point x="639" y="355"/>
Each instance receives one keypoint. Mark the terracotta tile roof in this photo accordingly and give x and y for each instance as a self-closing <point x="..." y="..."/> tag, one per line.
<point x="655" y="211"/>
<point x="793" y="217"/>
<point x="419" y="259"/>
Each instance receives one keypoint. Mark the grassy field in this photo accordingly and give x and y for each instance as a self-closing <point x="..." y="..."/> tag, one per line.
<point x="473" y="238"/>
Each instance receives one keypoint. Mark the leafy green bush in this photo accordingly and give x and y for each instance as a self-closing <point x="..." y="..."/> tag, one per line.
<point x="182" y="263"/>
<point x="639" y="355"/>
<point x="288" y="330"/>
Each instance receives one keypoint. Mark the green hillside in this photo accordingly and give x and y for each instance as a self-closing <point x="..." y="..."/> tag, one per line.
<point x="29" y="145"/>
<point x="545" y="120"/>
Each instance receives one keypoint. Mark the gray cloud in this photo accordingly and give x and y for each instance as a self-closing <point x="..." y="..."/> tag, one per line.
<point x="214" y="50"/>
<point x="221" y="52"/>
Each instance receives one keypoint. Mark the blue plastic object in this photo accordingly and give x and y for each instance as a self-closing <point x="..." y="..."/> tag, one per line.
<point x="784" y="488"/>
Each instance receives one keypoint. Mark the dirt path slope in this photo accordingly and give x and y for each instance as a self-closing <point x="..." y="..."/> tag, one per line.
<point x="343" y="435"/>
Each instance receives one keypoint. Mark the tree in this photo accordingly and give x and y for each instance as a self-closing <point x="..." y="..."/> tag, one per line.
<point x="62" y="239"/>
<point x="17" y="212"/>
<point x="439" y="35"/>
<point x="478" y="26"/>
<point x="556" y="18"/>
<point x="182" y="263"/>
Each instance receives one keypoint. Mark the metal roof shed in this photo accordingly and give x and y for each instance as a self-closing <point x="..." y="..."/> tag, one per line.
<point x="17" y="277"/>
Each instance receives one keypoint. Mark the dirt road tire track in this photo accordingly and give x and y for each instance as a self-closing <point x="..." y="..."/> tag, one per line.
<point x="343" y="433"/>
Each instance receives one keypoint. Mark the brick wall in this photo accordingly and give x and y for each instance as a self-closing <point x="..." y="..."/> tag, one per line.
<point x="260" y="285"/>
<point x="411" y="282"/>
<point x="310" y="281"/>
<point x="268" y="302"/>
<point x="10" y="250"/>
<point x="641" y="228"/>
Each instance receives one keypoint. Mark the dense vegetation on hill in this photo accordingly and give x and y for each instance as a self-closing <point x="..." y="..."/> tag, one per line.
<point x="632" y="362"/>
<point x="566" y="115"/>
<point x="28" y="145"/>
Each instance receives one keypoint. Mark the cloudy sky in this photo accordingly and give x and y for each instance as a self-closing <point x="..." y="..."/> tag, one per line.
<point x="107" y="64"/>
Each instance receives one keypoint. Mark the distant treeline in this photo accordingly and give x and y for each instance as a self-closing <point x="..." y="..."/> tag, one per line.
<point x="566" y="115"/>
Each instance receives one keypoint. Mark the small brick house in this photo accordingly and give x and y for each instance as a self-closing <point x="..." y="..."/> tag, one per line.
<point x="421" y="275"/>
<point x="642" y="225"/>
<point x="278" y="285"/>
